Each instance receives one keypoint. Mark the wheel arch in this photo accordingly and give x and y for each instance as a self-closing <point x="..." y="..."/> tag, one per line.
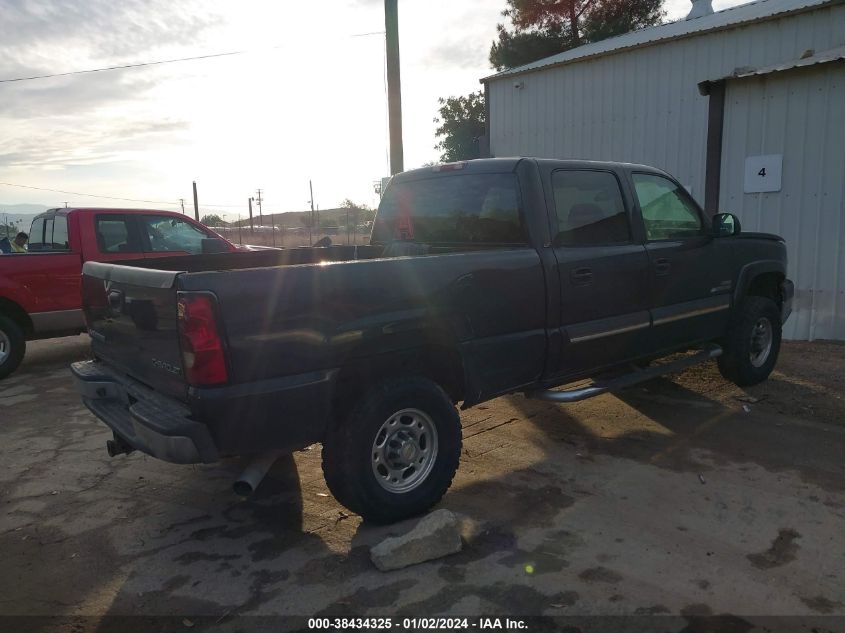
<point x="761" y="279"/>
<point x="437" y="361"/>
<point x="17" y="314"/>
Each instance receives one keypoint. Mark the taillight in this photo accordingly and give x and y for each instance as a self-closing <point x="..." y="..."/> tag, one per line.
<point x="202" y="347"/>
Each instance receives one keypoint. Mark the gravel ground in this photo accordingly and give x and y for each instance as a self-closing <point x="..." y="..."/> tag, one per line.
<point x="685" y="496"/>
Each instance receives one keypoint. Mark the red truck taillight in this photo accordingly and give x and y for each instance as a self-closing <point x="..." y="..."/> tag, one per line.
<point x="202" y="346"/>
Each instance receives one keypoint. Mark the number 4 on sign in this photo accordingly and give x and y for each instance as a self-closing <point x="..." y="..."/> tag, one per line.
<point x="763" y="173"/>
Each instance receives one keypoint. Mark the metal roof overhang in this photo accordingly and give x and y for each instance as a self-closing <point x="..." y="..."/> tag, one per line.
<point x="810" y="58"/>
<point x="734" y="17"/>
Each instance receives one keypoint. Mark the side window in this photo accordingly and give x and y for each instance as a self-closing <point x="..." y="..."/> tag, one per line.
<point x="589" y="208"/>
<point x="113" y="234"/>
<point x="49" y="234"/>
<point x="166" y="233"/>
<point x="668" y="212"/>
<point x="463" y="209"/>
<point x="36" y="236"/>
<point x="60" y="239"/>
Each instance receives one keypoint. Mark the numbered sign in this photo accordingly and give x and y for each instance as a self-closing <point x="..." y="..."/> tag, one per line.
<point x="763" y="173"/>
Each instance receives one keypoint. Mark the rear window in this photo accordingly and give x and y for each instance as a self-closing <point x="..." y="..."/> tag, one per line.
<point x="49" y="234"/>
<point x="459" y="209"/>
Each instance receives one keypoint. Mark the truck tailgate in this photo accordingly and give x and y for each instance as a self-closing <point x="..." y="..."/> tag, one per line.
<point x="131" y="314"/>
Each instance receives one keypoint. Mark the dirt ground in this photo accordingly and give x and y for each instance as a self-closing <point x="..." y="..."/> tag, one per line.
<point x="684" y="496"/>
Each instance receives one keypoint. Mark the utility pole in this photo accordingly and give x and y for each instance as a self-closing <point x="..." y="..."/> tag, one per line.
<point x="251" y="229"/>
<point x="65" y="205"/>
<point x="311" y="224"/>
<point x="394" y="86"/>
<point x="196" y="204"/>
<point x="182" y="202"/>
<point x="240" y="236"/>
<point x="260" y="216"/>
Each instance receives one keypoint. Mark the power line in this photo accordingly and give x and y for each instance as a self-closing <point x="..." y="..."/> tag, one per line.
<point x="205" y="205"/>
<point x="123" y="66"/>
<point x="158" y="62"/>
<point x="88" y="195"/>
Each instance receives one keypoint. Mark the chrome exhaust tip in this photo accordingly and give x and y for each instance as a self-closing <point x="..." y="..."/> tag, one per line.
<point x="254" y="473"/>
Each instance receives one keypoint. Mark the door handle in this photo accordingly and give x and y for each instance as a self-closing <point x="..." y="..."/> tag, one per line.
<point x="582" y="275"/>
<point x="662" y="266"/>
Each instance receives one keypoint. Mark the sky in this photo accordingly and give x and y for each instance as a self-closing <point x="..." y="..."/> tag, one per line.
<point x="307" y="101"/>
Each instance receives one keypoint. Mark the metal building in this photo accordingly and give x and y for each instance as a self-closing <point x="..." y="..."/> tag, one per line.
<point x="746" y="107"/>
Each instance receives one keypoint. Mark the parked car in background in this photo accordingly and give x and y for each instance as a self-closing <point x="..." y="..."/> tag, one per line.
<point x="481" y="279"/>
<point x="40" y="290"/>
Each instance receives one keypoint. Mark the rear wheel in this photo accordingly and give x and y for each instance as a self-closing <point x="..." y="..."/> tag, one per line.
<point x="12" y="346"/>
<point x="395" y="454"/>
<point x="753" y="342"/>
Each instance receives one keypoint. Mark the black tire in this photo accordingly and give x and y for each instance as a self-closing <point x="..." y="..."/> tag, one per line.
<point x="736" y="363"/>
<point x="349" y="460"/>
<point x="12" y="346"/>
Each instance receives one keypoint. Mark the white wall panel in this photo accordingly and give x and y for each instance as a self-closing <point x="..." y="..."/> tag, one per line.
<point x="643" y="105"/>
<point x="798" y="114"/>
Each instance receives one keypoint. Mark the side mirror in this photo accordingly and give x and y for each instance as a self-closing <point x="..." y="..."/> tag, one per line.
<point x="725" y="225"/>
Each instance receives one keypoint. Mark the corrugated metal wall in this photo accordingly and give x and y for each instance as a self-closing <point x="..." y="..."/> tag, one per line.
<point x="801" y="115"/>
<point x="643" y="106"/>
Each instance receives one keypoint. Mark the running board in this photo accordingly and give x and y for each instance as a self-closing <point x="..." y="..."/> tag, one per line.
<point x="640" y="375"/>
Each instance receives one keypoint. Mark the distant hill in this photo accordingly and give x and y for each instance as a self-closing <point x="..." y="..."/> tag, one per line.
<point x="20" y="215"/>
<point x="293" y="219"/>
<point x="22" y="209"/>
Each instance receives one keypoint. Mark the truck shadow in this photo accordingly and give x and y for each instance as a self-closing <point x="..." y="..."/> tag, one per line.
<point x="668" y="425"/>
<point x="660" y="423"/>
<point x="287" y="536"/>
<point x="219" y="555"/>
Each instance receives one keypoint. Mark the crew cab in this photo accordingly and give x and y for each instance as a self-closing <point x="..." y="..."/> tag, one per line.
<point x="482" y="278"/>
<point x="40" y="290"/>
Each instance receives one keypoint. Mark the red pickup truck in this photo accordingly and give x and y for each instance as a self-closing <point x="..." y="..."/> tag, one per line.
<point x="40" y="290"/>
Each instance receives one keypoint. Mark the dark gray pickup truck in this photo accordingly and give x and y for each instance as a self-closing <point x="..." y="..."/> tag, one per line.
<point x="481" y="278"/>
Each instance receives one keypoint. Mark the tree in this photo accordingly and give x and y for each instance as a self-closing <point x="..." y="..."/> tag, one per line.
<point x="461" y="124"/>
<point x="212" y="219"/>
<point x="520" y="48"/>
<point x="545" y="27"/>
<point x="349" y="204"/>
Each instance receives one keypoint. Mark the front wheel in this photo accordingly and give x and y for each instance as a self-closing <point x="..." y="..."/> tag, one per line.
<point x="12" y="346"/>
<point x="753" y="342"/>
<point x="395" y="455"/>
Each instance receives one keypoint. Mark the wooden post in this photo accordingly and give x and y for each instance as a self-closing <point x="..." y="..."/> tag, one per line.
<point x="394" y="86"/>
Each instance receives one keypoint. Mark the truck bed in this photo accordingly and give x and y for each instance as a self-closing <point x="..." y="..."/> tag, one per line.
<point x="295" y="256"/>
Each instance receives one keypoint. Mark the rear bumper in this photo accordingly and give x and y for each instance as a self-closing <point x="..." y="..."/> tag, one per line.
<point x="147" y="421"/>
<point x="788" y="293"/>
<point x="284" y="414"/>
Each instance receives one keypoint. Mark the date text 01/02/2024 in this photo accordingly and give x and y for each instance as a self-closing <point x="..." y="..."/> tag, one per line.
<point x="416" y="623"/>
